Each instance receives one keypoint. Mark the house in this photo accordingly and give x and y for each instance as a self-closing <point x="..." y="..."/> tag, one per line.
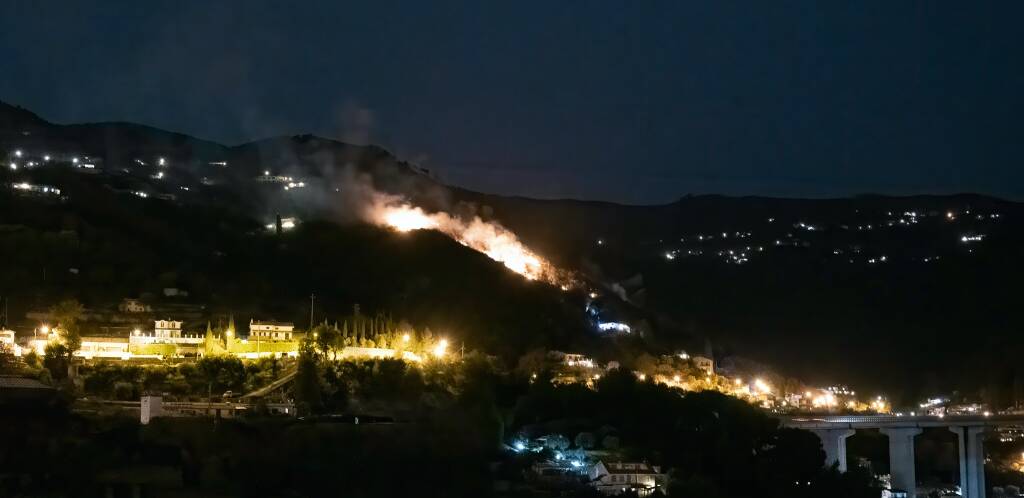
<point x="554" y="475"/>
<point x="167" y="332"/>
<point x="19" y="391"/>
<point x="271" y="331"/>
<point x="104" y="347"/>
<point x="704" y="363"/>
<point x="612" y="478"/>
<point x="7" y="338"/>
<point x="167" y="329"/>
<point x="8" y="343"/>
<point x="577" y="360"/>
<point x="133" y="306"/>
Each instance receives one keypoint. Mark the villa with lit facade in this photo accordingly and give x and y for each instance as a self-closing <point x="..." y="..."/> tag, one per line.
<point x="613" y="478"/>
<point x="271" y="331"/>
<point x="167" y="329"/>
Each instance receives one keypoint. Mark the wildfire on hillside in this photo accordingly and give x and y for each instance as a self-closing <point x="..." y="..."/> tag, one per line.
<point x="489" y="238"/>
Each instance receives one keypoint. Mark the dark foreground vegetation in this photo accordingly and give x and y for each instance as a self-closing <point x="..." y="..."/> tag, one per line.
<point x="442" y="436"/>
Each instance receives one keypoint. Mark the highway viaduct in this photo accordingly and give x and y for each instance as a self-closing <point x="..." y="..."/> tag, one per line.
<point x="969" y="429"/>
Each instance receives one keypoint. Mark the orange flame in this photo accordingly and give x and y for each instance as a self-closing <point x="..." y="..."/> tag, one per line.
<point x="491" y="239"/>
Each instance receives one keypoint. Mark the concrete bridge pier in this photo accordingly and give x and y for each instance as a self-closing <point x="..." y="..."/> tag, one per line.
<point x="834" y="443"/>
<point x="972" y="460"/>
<point x="901" y="458"/>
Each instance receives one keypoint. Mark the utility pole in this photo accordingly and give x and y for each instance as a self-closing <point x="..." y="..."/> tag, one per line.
<point x="311" y="298"/>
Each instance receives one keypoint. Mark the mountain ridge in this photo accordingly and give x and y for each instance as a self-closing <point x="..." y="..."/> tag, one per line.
<point x="759" y="276"/>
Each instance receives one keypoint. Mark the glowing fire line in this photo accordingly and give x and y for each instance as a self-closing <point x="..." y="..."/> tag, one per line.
<point x="491" y="239"/>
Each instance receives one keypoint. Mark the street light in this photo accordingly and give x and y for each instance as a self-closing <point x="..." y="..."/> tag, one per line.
<point x="405" y="337"/>
<point x="439" y="350"/>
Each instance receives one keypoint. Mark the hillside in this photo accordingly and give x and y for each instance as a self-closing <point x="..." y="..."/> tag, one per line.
<point x="875" y="291"/>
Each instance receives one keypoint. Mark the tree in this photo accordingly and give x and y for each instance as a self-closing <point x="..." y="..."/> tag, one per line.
<point x="532" y="363"/>
<point x="327" y="339"/>
<point x="557" y="442"/>
<point x="67" y="314"/>
<point x="586" y="440"/>
<point x="56" y="360"/>
<point x="307" y="389"/>
<point x="8" y="363"/>
<point x="647" y="364"/>
<point x="221" y="372"/>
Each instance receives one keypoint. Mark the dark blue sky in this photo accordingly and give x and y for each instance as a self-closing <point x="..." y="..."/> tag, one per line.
<point x="627" y="101"/>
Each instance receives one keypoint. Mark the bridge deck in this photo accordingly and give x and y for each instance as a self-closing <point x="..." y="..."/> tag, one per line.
<point x="893" y="421"/>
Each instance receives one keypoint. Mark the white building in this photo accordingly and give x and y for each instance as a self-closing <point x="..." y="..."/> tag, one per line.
<point x="704" y="363"/>
<point x="271" y="331"/>
<point x="104" y="347"/>
<point x="166" y="332"/>
<point x="167" y="329"/>
<point x="612" y="478"/>
<point x="7" y="342"/>
<point x="577" y="360"/>
<point x="132" y="306"/>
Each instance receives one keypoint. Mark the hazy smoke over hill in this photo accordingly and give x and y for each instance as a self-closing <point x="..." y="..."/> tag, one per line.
<point x="355" y="198"/>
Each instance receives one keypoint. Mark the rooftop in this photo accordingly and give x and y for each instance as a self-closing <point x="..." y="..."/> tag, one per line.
<point x="271" y="322"/>
<point x="629" y="468"/>
<point x="14" y="382"/>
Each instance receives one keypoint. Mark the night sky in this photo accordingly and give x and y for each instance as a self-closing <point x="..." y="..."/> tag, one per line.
<point x="638" y="102"/>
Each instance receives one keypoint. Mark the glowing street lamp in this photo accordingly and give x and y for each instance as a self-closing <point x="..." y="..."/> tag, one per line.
<point x="405" y="338"/>
<point x="439" y="350"/>
<point x="762" y="386"/>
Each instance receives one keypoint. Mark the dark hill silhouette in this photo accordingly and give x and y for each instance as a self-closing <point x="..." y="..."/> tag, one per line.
<point x="842" y="290"/>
